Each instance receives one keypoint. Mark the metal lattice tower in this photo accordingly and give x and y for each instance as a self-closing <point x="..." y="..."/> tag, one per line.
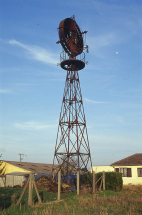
<point x="72" y="151"/>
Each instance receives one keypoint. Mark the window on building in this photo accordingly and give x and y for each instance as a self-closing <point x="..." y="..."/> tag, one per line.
<point x="126" y="172"/>
<point x="116" y="169"/>
<point x="139" y="172"/>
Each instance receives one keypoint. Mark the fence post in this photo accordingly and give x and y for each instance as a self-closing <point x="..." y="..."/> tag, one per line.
<point x="103" y="180"/>
<point x="30" y="190"/>
<point x="78" y="182"/>
<point x="93" y="182"/>
<point x="101" y="183"/>
<point x="59" y="185"/>
<point x="26" y="184"/>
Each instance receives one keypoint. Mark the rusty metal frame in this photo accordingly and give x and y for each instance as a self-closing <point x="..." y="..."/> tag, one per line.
<point x="72" y="145"/>
<point x="72" y="121"/>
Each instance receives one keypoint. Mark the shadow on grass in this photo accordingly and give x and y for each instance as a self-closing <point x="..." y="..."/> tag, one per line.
<point x="8" y="196"/>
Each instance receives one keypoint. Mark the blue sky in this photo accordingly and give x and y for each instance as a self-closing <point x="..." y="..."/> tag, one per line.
<point x="31" y="83"/>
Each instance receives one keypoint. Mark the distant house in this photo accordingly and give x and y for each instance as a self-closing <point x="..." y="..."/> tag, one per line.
<point x="13" y="173"/>
<point x="130" y="167"/>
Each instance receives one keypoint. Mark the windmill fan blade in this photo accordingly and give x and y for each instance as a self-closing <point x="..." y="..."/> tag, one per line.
<point x="67" y="39"/>
<point x="69" y="42"/>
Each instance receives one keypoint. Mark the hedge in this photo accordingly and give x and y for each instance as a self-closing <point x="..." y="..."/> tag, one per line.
<point x="113" y="180"/>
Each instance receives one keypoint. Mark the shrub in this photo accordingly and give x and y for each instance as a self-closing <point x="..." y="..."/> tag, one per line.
<point x="87" y="178"/>
<point x="113" y="180"/>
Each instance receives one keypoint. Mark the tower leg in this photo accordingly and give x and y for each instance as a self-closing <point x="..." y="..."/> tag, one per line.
<point x="59" y="185"/>
<point x="78" y="181"/>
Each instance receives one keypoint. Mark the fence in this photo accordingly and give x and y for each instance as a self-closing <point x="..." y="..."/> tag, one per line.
<point x="102" y="183"/>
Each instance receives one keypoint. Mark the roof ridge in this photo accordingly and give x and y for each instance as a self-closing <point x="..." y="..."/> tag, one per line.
<point x="25" y="162"/>
<point x="134" y="159"/>
<point x="29" y="166"/>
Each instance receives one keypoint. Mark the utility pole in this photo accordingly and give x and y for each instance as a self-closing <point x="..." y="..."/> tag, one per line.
<point x="21" y="156"/>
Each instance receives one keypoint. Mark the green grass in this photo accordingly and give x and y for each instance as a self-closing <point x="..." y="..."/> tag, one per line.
<point x="9" y="197"/>
<point x="107" y="202"/>
<point x="109" y="193"/>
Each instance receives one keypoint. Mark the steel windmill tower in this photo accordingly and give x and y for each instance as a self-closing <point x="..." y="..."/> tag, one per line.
<point x="72" y="151"/>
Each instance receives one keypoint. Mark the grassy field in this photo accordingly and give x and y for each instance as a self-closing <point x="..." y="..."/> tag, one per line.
<point x="128" y="201"/>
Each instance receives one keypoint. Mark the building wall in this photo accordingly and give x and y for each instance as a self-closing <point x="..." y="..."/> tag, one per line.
<point x="13" y="180"/>
<point x="6" y="168"/>
<point x="102" y="168"/>
<point x="134" y="180"/>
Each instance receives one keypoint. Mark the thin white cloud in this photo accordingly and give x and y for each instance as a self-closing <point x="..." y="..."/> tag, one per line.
<point x="114" y="142"/>
<point x="37" y="53"/>
<point x="32" y="126"/>
<point x="5" y="91"/>
<point x="102" y="40"/>
<point x="99" y="44"/>
<point x="96" y="102"/>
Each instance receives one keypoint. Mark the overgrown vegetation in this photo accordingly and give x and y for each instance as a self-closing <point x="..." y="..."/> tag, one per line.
<point x="127" y="201"/>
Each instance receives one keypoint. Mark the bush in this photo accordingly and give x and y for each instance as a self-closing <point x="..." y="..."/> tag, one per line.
<point x="87" y="178"/>
<point x="113" y="180"/>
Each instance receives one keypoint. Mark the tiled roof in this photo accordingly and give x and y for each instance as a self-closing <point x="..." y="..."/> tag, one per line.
<point x="33" y="167"/>
<point x="133" y="160"/>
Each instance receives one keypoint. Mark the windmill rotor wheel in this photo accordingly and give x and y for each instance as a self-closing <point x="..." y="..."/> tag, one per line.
<point x="71" y="37"/>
